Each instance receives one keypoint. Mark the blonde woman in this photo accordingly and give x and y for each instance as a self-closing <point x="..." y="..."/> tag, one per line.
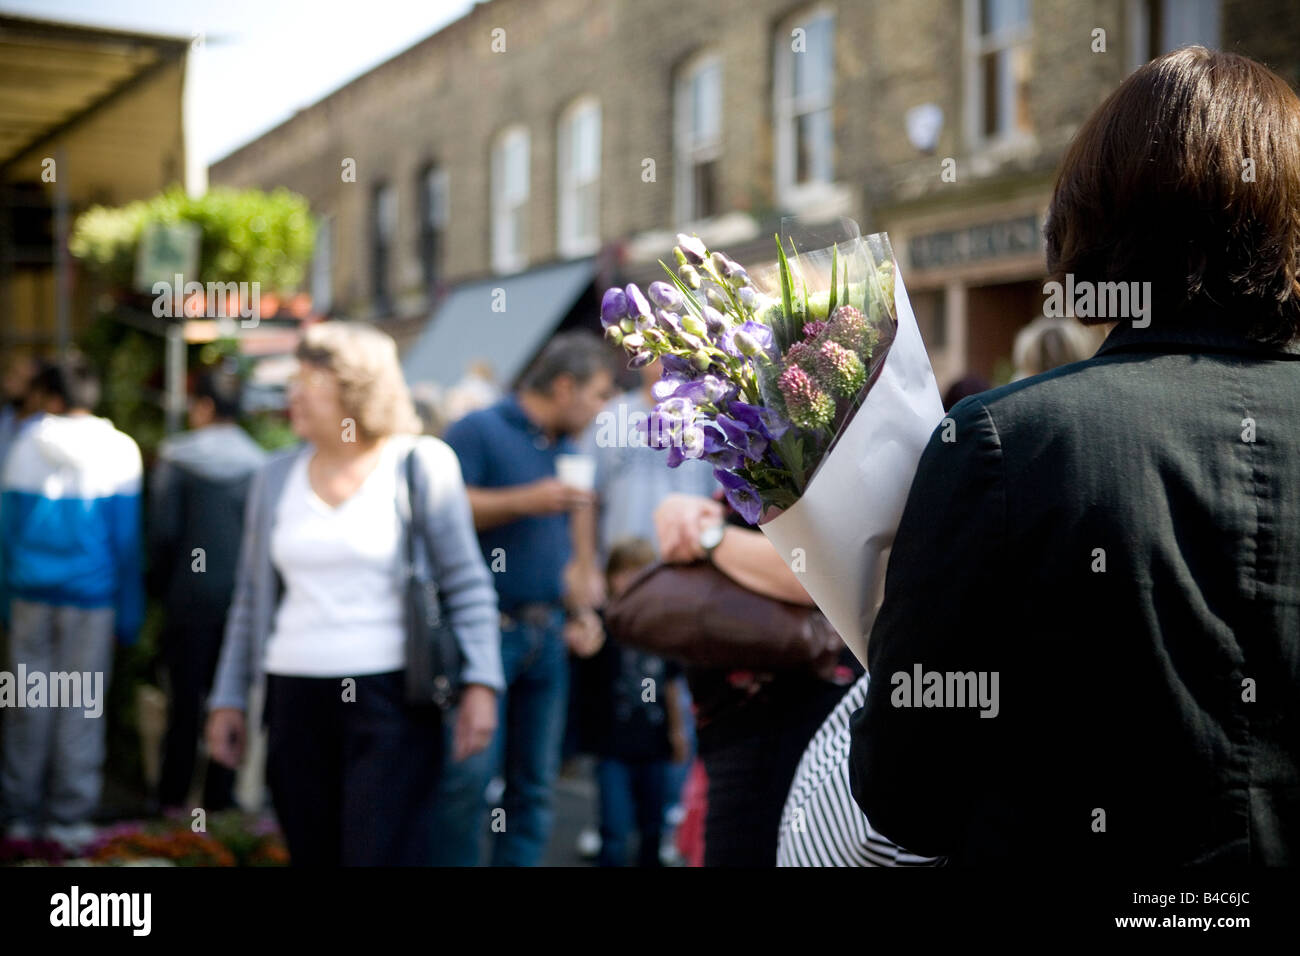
<point x="318" y="610"/>
<point x="1049" y="342"/>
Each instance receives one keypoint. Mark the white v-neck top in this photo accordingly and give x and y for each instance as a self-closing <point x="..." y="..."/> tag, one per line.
<point x="341" y="614"/>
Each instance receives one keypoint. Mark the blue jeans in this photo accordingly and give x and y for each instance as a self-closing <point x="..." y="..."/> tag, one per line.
<point x="530" y="732"/>
<point x="632" y="794"/>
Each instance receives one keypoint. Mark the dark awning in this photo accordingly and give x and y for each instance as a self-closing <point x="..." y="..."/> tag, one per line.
<point x="467" y="328"/>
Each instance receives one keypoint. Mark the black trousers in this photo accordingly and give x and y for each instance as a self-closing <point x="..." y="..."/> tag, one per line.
<point x="353" y="781"/>
<point x="190" y="657"/>
<point x="750" y="764"/>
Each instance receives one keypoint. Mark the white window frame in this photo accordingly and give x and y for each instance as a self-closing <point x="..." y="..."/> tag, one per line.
<point x="1206" y="32"/>
<point x="691" y="150"/>
<point x="786" y="110"/>
<point x="437" y="185"/>
<point x="575" y="177"/>
<point x="510" y="209"/>
<point x="322" y="267"/>
<point x="978" y="45"/>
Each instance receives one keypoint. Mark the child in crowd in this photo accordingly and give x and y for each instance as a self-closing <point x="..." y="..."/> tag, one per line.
<point x="638" y="727"/>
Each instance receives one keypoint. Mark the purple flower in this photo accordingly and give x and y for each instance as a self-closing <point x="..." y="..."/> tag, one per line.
<point x="660" y="432"/>
<point x="748" y="298"/>
<point x="692" y="442"/>
<point x="679" y="367"/>
<point x="669" y="322"/>
<point x="692" y="247"/>
<point x="613" y="306"/>
<point x="678" y="408"/>
<point x="741" y="494"/>
<point x="719" y="452"/>
<point x="709" y="390"/>
<point x="760" y="333"/>
<point x="638" y="308"/>
<point x="775" y="425"/>
<point x="664" y="389"/>
<point x="747" y="340"/>
<point x="666" y="296"/>
<point x="714" y="321"/>
<point x="744" y="429"/>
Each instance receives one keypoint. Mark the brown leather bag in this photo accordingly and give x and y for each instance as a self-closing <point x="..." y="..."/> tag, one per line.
<point x="695" y="614"/>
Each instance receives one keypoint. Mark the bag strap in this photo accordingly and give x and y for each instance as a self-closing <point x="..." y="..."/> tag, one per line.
<point x="411" y="503"/>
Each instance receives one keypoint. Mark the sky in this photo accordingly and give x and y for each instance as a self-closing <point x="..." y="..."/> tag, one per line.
<point x="261" y="60"/>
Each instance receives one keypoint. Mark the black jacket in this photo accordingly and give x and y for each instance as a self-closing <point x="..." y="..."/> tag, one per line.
<point x="196" y="517"/>
<point x="1119" y="540"/>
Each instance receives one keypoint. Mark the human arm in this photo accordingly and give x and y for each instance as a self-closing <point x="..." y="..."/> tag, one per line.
<point x="123" y="511"/>
<point x="916" y="771"/>
<point x="744" y="555"/>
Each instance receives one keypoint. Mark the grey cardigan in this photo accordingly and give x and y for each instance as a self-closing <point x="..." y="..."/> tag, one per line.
<point x="468" y="594"/>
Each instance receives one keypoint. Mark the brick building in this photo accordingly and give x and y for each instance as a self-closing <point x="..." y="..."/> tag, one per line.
<point x="536" y="149"/>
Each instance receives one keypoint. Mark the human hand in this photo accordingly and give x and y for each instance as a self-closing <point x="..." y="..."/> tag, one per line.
<point x="584" y="634"/>
<point x="679" y="519"/>
<point x="548" y="496"/>
<point x="476" y="721"/>
<point x="225" y="734"/>
<point x="584" y="585"/>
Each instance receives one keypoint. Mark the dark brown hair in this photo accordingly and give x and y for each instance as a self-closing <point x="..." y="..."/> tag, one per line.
<point x="1157" y="187"/>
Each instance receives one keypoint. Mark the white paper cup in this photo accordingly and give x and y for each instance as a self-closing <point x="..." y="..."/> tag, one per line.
<point x="576" y="470"/>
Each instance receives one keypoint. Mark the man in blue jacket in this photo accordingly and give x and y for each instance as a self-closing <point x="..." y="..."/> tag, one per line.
<point x="71" y="582"/>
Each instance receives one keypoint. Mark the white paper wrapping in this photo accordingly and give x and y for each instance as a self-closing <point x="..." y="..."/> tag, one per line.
<point x="837" y="536"/>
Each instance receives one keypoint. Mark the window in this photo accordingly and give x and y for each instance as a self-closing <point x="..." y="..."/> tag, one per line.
<point x="931" y="317"/>
<point x="1158" y="26"/>
<point x="579" y="178"/>
<point x="998" y="69"/>
<point x="322" y="266"/>
<point x="433" y="220"/>
<point x="698" y="135"/>
<point x="804" y="80"/>
<point x="383" y="228"/>
<point x="510" y="200"/>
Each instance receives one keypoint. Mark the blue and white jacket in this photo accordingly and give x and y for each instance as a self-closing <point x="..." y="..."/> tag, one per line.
<point x="70" y="519"/>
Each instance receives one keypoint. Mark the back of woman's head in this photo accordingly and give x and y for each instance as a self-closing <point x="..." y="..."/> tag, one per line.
<point x="1188" y="177"/>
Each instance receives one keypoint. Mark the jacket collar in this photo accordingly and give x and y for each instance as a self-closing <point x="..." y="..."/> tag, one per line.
<point x="1190" y="338"/>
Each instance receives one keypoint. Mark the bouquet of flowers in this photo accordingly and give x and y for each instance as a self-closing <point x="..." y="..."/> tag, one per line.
<point x="806" y="387"/>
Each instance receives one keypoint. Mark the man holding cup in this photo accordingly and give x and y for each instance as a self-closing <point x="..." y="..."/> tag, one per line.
<point x="524" y="479"/>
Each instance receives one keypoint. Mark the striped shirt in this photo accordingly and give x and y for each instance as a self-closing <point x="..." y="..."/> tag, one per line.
<point x="822" y="824"/>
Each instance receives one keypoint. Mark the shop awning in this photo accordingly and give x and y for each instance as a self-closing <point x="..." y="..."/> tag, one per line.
<point x="56" y="77"/>
<point x="503" y="321"/>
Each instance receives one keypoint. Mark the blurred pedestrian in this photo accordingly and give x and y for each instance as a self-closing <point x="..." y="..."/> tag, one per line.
<point x="198" y="491"/>
<point x="753" y="725"/>
<point x="319" y="606"/>
<point x="18" y="402"/>
<point x="638" y="728"/>
<point x="630" y="481"/>
<point x="509" y="454"/>
<point x="1049" y="342"/>
<point x="70" y="535"/>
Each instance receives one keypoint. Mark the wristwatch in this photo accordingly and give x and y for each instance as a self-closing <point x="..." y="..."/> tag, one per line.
<point x="711" y="537"/>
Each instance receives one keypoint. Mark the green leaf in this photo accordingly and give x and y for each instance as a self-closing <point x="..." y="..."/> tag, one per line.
<point x="835" y="274"/>
<point x="691" y="302"/>
<point x="786" y="291"/>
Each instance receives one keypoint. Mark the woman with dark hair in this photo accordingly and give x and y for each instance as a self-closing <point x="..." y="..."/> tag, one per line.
<point x="1089" y="647"/>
